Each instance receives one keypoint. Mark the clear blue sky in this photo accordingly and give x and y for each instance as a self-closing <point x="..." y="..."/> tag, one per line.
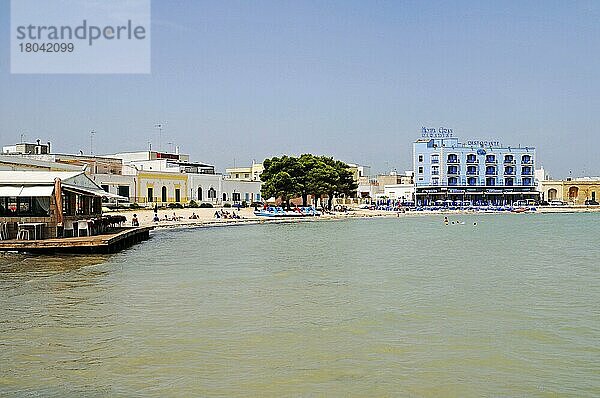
<point x="356" y="80"/>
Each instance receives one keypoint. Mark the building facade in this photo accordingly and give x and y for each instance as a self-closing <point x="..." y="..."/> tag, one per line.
<point x="251" y="173"/>
<point x="481" y="172"/>
<point x="576" y="191"/>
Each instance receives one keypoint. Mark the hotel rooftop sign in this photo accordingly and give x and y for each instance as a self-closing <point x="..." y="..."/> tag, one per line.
<point x="441" y="132"/>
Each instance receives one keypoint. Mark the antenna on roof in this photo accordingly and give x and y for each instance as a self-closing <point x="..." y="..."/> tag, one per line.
<point x="92" y="133"/>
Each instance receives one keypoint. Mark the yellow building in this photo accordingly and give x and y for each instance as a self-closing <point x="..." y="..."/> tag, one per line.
<point x="575" y="191"/>
<point x="161" y="187"/>
<point x="251" y="173"/>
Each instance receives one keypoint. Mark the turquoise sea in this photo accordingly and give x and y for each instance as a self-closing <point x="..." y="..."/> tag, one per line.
<point x="398" y="307"/>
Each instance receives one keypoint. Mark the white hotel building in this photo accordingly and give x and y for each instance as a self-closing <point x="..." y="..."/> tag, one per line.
<point x="482" y="172"/>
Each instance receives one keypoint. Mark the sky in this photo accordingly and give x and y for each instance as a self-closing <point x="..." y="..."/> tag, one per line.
<point x="238" y="81"/>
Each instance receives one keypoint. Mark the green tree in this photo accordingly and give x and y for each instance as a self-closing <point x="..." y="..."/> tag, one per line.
<point x="278" y="180"/>
<point x="287" y="177"/>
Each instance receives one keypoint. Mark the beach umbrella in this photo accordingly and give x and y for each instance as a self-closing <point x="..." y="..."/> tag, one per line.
<point x="58" y="200"/>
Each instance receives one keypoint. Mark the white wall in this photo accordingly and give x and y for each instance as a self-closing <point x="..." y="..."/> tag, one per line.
<point x="206" y="182"/>
<point x="399" y="191"/>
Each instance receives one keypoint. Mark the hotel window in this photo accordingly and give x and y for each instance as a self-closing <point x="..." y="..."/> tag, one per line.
<point x="526" y="171"/>
<point x="452" y="181"/>
<point x="471" y="158"/>
<point x="490" y="182"/>
<point x="527" y="181"/>
<point x="509" y="170"/>
<point x="420" y="158"/>
<point x="509" y="182"/>
<point x="420" y="169"/>
<point x="471" y="181"/>
<point x="471" y="169"/>
<point x="452" y="158"/>
<point x="435" y="181"/>
<point x="452" y="169"/>
<point x="490" y="158"/>
<point x="526" y="159"/>
<point x="435" y="158"/>
<point x="435" y="170"/>
<point x="508" y="158"/>
<point x="490" y="170"/>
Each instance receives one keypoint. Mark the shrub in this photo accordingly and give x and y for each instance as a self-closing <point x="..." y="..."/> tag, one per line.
<point x="135" y="206"/>
<point x="193" y="204"/>
<point x="226" y="204"/>
<point x="244" y="203"/>
<point x="175" y="206"/>
<point x="206" y="205"/>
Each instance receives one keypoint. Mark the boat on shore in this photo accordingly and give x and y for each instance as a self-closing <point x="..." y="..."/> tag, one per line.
<point x="273" y="211"/>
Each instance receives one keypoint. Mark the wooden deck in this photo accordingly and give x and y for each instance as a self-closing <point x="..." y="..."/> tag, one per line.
<point x="106" y="243"/>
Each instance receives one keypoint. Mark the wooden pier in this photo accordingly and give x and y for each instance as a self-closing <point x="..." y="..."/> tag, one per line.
<point x="105" y="243"/>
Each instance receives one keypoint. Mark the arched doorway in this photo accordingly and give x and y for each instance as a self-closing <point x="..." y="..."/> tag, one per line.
<point x="573" y="193"/>
<point x="552" y="193"/>
<point x="212" y="194"/>
<point x="164" y="194"/>
<point x="224" y="197"/>
<point x="199" y="193"/>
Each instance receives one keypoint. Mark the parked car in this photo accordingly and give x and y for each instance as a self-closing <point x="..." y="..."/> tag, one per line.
<point x="557" y="203"/>
<point x="591" y="202"/>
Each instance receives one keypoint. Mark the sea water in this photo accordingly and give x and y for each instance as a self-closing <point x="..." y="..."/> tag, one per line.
<point x="403" y="306"/>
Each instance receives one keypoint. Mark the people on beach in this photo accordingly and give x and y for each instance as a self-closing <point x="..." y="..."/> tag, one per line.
<point x="217" y="215"/>
<point x="134" y="221"/>
<point x="194" y="216"/>
<point x="156" y="219"/>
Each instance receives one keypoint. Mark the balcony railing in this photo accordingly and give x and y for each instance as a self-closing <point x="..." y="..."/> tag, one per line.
<point x="453" y="160"/>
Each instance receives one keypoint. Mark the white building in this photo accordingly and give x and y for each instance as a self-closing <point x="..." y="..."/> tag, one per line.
<point x="402" y="192"/>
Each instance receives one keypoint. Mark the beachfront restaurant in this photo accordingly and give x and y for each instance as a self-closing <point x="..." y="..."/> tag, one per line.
<point x="42" y="205"/>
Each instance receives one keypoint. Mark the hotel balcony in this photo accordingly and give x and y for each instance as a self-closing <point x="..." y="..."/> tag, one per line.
<point x="509" y="161"/>
<point x="453" y="161"/>
<point x="491" y="161"/>
<point x="509" y="172"/>
<point x="526" y="173"/>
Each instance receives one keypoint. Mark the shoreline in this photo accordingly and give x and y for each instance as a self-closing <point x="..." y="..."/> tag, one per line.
<point x="206" y="217"/>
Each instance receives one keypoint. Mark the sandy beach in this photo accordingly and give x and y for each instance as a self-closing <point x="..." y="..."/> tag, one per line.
<point x="206" y="216"/>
